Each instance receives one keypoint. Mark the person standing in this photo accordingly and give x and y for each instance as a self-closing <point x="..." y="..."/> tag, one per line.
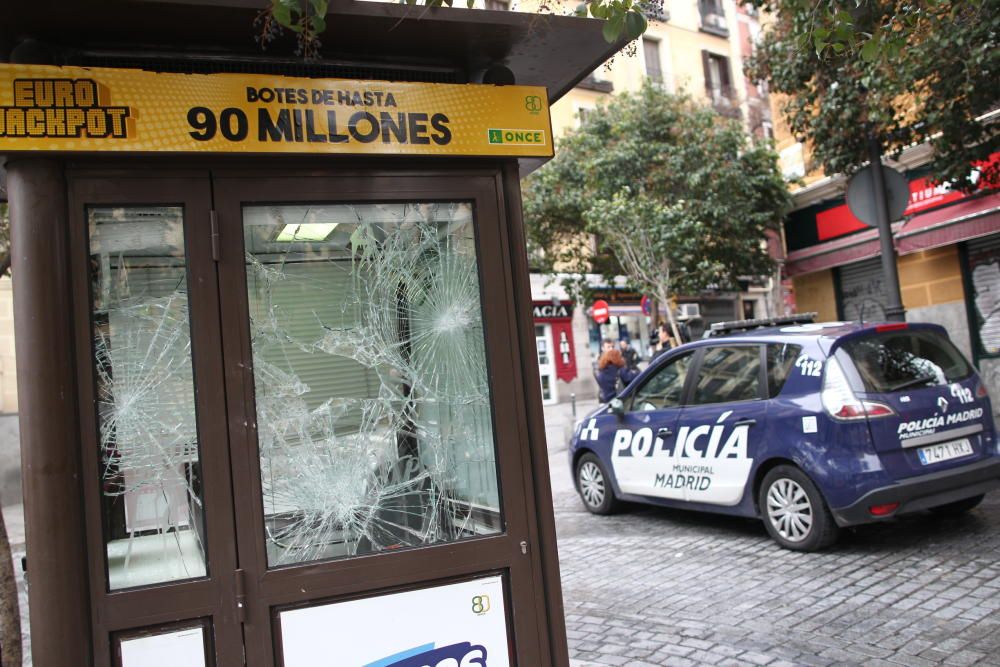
<point x="666" y="341"/>
<point x="629" y="354"/>
<point x="611" y="368"/>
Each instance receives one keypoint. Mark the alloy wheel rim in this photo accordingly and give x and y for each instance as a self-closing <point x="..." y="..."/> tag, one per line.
<point x="789" y="510"/>
<point x="591" y="484"/>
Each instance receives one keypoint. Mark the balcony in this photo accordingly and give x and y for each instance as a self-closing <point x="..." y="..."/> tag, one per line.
<point x="597" y="85"/>
<point x="713" y="18"/>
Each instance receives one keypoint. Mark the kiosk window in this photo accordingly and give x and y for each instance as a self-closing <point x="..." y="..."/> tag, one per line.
<point x="372" y="396"/>
<point x="150" y="471"/>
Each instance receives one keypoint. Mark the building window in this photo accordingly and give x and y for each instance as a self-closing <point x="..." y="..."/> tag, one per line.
<point x="713" y="17"/>
<point x="497" y="5"/>
<point x="651" y="54"/>
<point x="718" y="81"/>
<point x="582" y="113"/>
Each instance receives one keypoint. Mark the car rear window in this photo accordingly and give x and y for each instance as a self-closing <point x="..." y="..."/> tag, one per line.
<point x="901" y="360"/>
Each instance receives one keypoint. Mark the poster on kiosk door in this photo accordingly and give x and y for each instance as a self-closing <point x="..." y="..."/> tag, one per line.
<point x="457" y="625"/>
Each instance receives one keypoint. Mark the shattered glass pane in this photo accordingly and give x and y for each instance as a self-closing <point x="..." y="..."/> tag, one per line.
<point x="150" y="470"/>
<point x="373" y="407"/>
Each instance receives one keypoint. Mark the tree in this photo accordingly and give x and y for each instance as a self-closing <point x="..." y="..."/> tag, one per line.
<point x="674" y="190"/>
<point x="898" y="71"/>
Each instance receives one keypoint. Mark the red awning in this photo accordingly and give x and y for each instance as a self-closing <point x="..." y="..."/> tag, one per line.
<point x="966" y="220"/>
<point x="828" y="254"/>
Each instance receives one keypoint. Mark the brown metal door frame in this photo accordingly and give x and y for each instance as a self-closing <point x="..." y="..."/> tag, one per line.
<point x="369" y="575"/>
<point x="212" y="596"/>
<point x="534" y="602"/>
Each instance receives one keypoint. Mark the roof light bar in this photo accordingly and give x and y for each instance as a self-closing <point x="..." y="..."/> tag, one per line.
<point x="720" y="328"/>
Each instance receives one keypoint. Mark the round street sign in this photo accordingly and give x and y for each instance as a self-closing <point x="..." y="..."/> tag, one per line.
<point x="861" y="195"/>
<point x="645" y="305"/>
<point x="599" y="311"/>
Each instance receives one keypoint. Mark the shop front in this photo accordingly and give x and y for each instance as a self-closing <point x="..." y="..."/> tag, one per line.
<point x="948" y="257"/>
<point x="277" y="386"/>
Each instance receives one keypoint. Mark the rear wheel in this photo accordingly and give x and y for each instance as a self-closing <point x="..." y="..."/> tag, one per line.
<point x="594" y="485"/>
<point x="958" y="507"/>
<point x="794" y="512"/>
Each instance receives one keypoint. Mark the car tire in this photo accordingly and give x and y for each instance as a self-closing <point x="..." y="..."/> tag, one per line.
<point x="958" y="507"/>
<point x="594" y="486"/>
<point x="794" y="512"/>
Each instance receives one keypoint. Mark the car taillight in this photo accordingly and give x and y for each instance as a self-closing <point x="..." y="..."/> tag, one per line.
<point x="839" y="399"/>
<point x="982" y="391"/>
<point x="883" y="510"/>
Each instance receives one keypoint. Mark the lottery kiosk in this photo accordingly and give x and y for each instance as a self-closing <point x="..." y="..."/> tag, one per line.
<point x="279" y="402"/>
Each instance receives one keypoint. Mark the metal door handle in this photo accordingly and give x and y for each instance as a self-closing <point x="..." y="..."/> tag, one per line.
<point x="745" y="422"/>
<point x="664" y="431"/>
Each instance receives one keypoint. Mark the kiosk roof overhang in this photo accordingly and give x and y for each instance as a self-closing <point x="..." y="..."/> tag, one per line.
<point x="556" y="52"/>
<point x="364" y="40"/>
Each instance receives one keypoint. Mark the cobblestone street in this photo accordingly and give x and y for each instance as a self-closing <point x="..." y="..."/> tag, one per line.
<point x="654" y="587"/>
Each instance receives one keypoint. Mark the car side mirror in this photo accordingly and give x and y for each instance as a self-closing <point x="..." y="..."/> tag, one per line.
<point x="617" y="407"/>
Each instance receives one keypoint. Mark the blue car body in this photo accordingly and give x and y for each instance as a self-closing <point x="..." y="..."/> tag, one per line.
<point x="713" y="457"/>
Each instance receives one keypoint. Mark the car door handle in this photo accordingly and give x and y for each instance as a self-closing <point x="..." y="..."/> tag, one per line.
<point x="745" y="422"/>
<point x="664" y="431"/>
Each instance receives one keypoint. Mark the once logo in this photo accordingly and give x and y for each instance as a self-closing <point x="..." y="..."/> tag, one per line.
<point x="516" y="137"/>
<point x="533" y="103"/>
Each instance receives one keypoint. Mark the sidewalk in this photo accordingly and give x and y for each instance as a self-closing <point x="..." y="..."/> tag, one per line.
<point x="559" y="422"/>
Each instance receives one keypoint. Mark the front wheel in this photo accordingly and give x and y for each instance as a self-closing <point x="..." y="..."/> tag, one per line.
<point x="794" y="512"/>
<point x="594" y="486"/>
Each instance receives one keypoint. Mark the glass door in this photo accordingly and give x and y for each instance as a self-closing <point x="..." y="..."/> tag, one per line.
<point x="157" y="494"/>
<point x="375" y="437"/>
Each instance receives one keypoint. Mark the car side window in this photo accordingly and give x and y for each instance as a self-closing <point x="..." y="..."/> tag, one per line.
<point x="728" y="374"/>
<point x="665" y="388"/>
<point x="780" y="362"/>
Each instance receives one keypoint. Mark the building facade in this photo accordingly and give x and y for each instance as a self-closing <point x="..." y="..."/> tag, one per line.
<point x="694" y="46"/>
<point x="947" y="254"/>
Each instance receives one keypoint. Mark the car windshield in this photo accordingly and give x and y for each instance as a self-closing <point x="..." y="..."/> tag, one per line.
<point x="900" y="360"/>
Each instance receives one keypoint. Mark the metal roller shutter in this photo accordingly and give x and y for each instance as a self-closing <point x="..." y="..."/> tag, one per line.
<point x="311" y="297"/>
<point x="861" y="291"/>
<point x="984" y="278"/>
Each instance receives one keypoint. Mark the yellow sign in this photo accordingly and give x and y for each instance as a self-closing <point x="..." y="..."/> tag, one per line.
<point x="83" y="109"/>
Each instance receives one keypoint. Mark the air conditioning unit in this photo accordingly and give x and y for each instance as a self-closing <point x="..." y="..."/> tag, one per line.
<point x="686" y="311"/>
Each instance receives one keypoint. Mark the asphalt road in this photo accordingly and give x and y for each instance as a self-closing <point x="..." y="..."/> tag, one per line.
<point x="668" y="587"/>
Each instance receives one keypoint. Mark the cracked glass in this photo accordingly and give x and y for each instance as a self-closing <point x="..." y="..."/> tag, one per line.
<point x="150" y="473"/>
<point x="373" y="411"/>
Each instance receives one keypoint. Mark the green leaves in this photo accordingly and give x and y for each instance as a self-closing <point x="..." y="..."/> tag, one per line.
<point x="635" y="24"/>
<point x="661" y="181"/>
<point x="622" y="17"/>
<point x="907" y="70"/>
<point x="613" y="28"/>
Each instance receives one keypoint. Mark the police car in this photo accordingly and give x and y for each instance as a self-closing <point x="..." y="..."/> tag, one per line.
<point x="810" y="427"/>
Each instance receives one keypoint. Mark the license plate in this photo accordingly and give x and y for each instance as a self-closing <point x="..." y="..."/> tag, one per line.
<point x="944" y="451"/>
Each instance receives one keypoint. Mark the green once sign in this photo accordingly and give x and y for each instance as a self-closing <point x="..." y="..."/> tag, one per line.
<point x="517" y="137"/>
